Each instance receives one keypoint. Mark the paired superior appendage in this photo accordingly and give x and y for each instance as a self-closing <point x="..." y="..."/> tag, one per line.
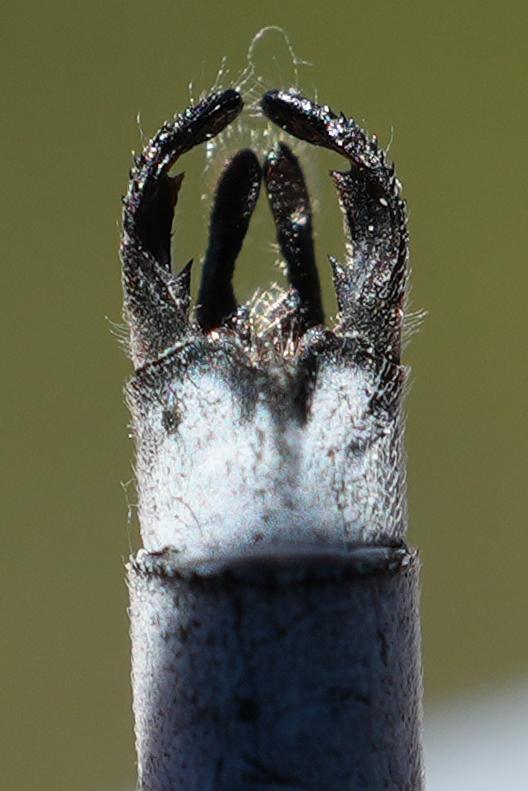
<point x="370" y="286"/>
<point x="298" y="429"/>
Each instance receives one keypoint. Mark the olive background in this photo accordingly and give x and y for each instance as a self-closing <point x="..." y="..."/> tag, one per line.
<point x="443" y="83"/>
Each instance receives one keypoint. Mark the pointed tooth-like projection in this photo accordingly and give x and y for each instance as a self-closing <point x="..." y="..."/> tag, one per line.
<point x="235" y="200"/>
<point x="343" y="286"/>
<point x="376" y="274"/>
<point x="180" y="289"/>
<point x="152" y="305"/>
<point x="372" y="285"/>
<point x="290" y="206"/>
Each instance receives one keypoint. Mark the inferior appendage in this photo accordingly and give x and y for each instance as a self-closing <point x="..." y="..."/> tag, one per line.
<point x="370" y="284"/>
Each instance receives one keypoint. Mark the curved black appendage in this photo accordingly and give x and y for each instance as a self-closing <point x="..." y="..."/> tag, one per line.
<point x="290" y="206"/>
<point x="235" y="200"/>
<point x="157" y="302"/>
<point x="371" y="286"/>
<point x="152" y="194"/>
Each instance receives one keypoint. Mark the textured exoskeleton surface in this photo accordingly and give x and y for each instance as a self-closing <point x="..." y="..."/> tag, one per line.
<point x="270" y="428"/>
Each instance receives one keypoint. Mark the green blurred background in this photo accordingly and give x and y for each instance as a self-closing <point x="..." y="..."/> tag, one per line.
<point x="444" y="82"/>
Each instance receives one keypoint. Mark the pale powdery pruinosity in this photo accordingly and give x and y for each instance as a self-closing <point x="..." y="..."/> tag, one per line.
<point x="256" y="425"/>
